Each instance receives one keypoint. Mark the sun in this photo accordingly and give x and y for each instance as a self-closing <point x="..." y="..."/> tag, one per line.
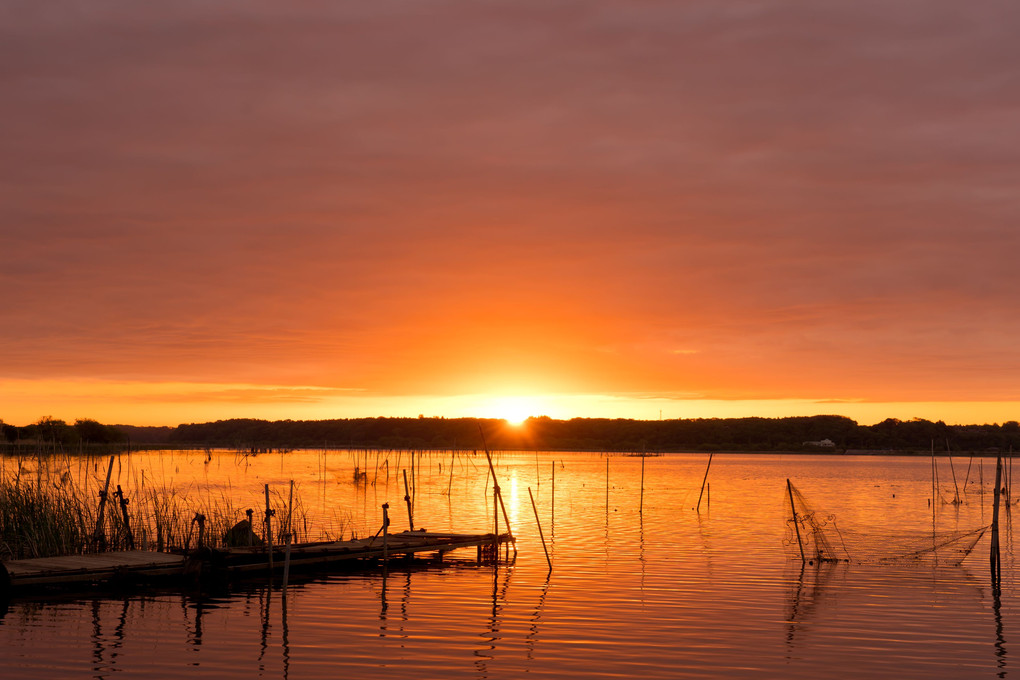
<point x="514" y="410"/>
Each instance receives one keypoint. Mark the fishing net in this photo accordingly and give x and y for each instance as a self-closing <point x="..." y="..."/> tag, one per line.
<point x="816" y="535"/>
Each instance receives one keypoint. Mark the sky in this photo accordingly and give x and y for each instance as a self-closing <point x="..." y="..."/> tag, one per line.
<point x="575" y="208"/>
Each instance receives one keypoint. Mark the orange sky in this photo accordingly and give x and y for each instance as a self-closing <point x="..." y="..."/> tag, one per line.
<point x="319" y="210"/>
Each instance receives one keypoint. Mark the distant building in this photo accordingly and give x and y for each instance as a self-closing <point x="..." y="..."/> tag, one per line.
<point x="825" y="443"/>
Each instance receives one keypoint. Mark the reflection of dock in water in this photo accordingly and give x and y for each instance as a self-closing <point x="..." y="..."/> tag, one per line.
<point x="140" y="566"/>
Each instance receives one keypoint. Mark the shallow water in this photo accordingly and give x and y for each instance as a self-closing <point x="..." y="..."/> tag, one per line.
<point x="640" y="586"/>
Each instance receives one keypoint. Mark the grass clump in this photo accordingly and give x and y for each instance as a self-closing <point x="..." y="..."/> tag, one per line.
<point x="42" y="523"/>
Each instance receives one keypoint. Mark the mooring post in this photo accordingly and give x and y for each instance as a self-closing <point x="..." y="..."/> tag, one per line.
<point x="385" y="532"/>
<point x="707" y="468"/>
<point x="796" y="526"/>
<point x="200" y="520"/>
<point x="124" y="515"/>
<point x="994" y="548"/>
<point x="407" y="499"/>
<point x="289" y="537"/>
<point x="539" y="524"/>
<point x="269" y="531"/>
<point x="251" y="531"/>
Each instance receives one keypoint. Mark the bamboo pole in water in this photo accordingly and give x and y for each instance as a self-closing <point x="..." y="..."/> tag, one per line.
<point x="994" y="548"/>
<point x="952" y="469"/>
<point x="385" y="532"/>
<point x="707" y="468"/>
<point x="607" y="482"/>
<point x="98" y="537"/>
<point x="269" y="531"/>
<point x="453" y="459"/>
<point x="796" y="526"/>
<point x="499" y="497"/>
<point x="407" y="500"/>
<point x="641" y="503"/>
<point x="539" y="524"/>
<point x="552" y="510"/>
<point x="289" y="537"/>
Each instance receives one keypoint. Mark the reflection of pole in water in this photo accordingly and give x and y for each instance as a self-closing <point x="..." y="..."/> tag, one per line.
<point x="286" y="638"/>
<point x="641" y="503"/>
<point x="196" y="637"/>
<point x="498" y="600"/>
<point x="98" y="649"/>
<point x="641" y="553"/>
<point x="808" y="590"/>
<point x="1000" y="642"/>
<point x="383" y="605"/>
<point x="264" y="638"/>
<point x="793" y="613"/>
<point x="532" y="636"/>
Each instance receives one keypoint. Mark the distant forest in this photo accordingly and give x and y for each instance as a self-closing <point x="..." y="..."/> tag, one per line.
<point x="807" y="434"/>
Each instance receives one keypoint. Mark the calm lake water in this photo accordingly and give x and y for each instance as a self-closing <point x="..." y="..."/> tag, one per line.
<point x="649" y="589"/>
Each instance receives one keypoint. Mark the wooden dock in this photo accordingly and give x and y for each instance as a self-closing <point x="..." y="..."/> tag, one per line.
<point x="132" y="566"/>
<point x="74" y="570"/>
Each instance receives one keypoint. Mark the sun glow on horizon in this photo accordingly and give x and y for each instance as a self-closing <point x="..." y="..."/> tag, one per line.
<point x="514" y="410"/>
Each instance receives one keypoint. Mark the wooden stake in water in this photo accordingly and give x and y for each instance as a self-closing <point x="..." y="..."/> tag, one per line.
<point x="552" y="510"/>
<point x="289" y="536"/>
<point x="707" y="468"/>
<point x="796" y="526"/>
<point x="453" y="459"/>
<point x="607" y="483"/>
<point x="994" y="549"/>
<point x="407" y="499"/>
<point x="953" y="470"/>
<point x="269" y="531"/>
<point x="98" y="536"/>
<point x="499" y="497"/>
<point x="539" y="524"/>
<point x="130" y="539"/>
<point x="641" y="503"/>
<point x="385" y="531"/>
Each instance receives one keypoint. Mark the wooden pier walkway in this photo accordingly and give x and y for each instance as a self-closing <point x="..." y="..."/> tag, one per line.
<point x="126" y="567"/>
<point x="82" y="569"/>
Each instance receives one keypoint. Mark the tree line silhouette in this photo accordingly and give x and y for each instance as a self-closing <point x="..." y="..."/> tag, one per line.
<point x="542" y="433"/>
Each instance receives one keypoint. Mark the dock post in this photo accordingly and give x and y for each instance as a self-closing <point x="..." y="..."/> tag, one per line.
<point x="127" y="522"/>
<point x="289" y="535"/>
<point x="269" y="531"/>
<point x="385" y="532"/>
<point x="200" y="520"/>
<point x="251" y="532"/>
